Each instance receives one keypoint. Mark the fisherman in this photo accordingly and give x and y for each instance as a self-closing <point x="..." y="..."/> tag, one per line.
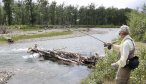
<point x="126" y="51"/>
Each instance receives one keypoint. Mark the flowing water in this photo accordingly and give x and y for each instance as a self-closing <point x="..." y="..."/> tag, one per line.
<point x="29" y="70"/>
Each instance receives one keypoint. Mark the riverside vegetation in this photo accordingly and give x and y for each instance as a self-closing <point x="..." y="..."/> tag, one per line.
<point x="44" y="13"/>
<point x="104" y="73"/>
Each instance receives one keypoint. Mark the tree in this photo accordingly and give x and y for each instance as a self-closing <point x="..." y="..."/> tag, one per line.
<point x="101" y="16"/>
<point x="29" y="8"/>
<point x="8" y="11"/>
<point x="144" y="8"/>
<point x="43" y="10"/>
<point x="52" y="11"/>
<point x="82" y="16"/>
<point x="91" y="14"/>
<point x="27" y="12"/>
<point x="1" y="14"/>
<point x="60" y="18"/>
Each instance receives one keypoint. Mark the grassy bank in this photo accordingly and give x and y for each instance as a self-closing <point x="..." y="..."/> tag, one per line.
<point x="24" y="27"/>
<point x="104" y="73"/>
<point x="38" y="27"/>
<point x="50" y="34"/>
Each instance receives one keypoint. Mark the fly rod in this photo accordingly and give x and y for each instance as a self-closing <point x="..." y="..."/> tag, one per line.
<point x="93" y="37"/>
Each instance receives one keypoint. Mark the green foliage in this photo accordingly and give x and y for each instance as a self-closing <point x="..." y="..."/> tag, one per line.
<point x="103" y="70"/>
<point x="137" y="23"/>
<point x="138" y="76"/>
<point x="2" y="40"/>
<point x="144" y="37"/>
<point x="27" y="12"/>
<point x="8" y="11"/>
<point x="20" y="37"/>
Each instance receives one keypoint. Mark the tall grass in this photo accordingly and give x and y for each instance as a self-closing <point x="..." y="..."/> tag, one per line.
<point x="103" y="70"/>
<point x="138" y="76"/>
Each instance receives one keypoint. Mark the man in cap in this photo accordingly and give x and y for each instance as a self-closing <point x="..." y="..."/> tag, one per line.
<point x="126" y="51"/>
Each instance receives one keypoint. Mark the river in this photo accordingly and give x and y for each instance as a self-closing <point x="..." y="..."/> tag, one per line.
<point x="33" y="71"/>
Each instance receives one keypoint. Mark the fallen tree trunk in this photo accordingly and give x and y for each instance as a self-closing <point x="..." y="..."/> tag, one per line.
<point x="66" y="58"/>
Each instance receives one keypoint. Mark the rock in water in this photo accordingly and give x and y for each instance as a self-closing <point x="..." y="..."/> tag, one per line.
<point x="5" y="76"/>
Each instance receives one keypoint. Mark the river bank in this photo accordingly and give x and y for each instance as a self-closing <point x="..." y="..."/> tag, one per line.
<point x="49" y="34"/>
<point x="103" y="73"/>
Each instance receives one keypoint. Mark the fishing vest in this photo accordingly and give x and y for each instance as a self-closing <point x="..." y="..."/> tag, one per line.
<point x="131" y="53"/>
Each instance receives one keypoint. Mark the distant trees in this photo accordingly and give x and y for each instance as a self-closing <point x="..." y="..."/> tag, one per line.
<point x="26" y="12"/>
<point x="8" y="11"/>
<point x="42" y="12"/>
<point x="1" y="15"/>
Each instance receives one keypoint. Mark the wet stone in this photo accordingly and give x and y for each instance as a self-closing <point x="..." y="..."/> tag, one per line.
<point x="5" y="76"/>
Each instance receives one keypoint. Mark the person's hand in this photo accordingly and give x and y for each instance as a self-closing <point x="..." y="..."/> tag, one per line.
<point x="114" y="65"/>
<point x="108" y="45"/>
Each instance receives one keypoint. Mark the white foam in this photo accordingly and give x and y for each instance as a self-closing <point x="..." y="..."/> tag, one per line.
<point x="35" y="55"/>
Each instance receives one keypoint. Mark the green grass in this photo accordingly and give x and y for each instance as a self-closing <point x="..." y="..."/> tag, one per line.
<point x="103" y="71"/>
<point x="40" y="35"/>
<point x="2" y="40"/>
<point x="50" y="34"/>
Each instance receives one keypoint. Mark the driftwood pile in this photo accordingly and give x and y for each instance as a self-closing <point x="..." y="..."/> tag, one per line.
<point x="66" y="58"/>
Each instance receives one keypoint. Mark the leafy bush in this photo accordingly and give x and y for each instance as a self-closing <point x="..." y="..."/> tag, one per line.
<point x="139" y="75"/>
<point x="137" y="23"/>
<point x="103" y="70"/>
<point x="144" y="38"/>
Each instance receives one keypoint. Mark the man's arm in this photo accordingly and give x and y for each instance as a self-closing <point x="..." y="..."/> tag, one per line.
<point x="116" y="47"/>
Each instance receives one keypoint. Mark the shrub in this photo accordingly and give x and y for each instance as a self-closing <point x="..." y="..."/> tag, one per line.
<point x="103" y="70"/>
<point x="144" y="38"/>
<point x="139" y="75"/>
<point x="137" y="23"/>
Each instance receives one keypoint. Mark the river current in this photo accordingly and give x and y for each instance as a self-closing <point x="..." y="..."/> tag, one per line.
<point x="29" y="70"/>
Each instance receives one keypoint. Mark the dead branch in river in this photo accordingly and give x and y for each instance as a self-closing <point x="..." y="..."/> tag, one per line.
<point x="66" y="58"/>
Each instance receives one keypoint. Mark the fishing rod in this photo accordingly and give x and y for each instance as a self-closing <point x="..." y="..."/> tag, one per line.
<point x="93" y="37"/>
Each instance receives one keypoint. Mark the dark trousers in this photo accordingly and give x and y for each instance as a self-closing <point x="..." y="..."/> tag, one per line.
<point x="123" y="75"/>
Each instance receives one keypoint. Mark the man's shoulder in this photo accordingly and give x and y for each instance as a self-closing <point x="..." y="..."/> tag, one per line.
<point x="128" y="42"/>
